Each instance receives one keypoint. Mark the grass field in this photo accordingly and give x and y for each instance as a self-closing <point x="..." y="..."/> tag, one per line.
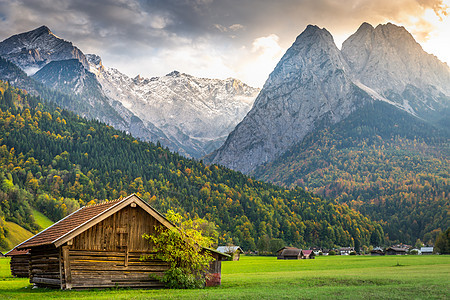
<point x="339" y="277"/>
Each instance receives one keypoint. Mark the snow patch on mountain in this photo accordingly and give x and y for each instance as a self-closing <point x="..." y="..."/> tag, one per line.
<point x="197" y="113"/>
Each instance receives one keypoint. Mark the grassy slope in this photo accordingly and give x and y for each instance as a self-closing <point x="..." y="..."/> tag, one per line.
<point x="350" y="277"/>
<point x="41" y="220"/>
<point x="16" y="235"/>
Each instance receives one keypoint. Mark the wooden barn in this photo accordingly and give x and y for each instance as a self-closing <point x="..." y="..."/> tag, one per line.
<point x="100" y="246"/>
<point x="20" y="262"/>
<point x="289" y="253"/>
<point x="234" y="251"/>
<point x="396" y="251"/>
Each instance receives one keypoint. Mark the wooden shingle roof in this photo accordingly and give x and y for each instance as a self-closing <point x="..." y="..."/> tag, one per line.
<point x="291" y="252"/>
<point x="15" y="252"/>
<point x="67" y="224"/>
<point x="84" y="218"/>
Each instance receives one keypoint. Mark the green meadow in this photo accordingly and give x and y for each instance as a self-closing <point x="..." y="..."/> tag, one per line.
<point x="338" y="277"/>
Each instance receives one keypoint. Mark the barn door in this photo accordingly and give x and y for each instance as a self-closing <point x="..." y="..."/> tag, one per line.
<point x="122" y="244"/>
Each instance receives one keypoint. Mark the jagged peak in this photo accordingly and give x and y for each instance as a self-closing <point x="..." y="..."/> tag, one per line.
<point x="392" y="28"/>
<point x="174" y="74"/>
<point x="43" y="29"/>
<point x="312" y="32"/>
<point x="94" y="58"/>
<point x="365" y="27"/>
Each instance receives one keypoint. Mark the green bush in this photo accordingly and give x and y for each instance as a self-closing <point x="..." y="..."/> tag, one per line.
<point x="332" y="252"/>
<point x="177" y="278"/>
<point x="182" y="247"/>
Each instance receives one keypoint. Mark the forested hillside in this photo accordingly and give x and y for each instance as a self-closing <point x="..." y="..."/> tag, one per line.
<point x="56" y="161"/>
<point x="383" y="162"/>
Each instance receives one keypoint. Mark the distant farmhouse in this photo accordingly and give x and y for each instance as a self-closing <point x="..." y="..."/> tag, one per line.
<point x="289" y="253"/>
<point x="100" y="246"/>
<point x="346" y="250"/>
<point x="234" y="251"/>
<point x="308" y="254"/>
<point x="396" y="251"/>
<point x="426" y="250"/>
<point x="377" y="251"/>
<point x="294" y="253"/>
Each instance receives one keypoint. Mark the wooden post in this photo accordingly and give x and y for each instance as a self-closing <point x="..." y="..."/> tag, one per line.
<point x="60" y="268"/>
<point x="126" y="256"/>
<point x="67" y="271"/>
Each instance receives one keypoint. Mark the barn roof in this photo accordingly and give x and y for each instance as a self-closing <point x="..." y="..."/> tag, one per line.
<point x="15" y="252"/>
<point x="291" y="252"/>
<point x="84" y="218"/>
<point x="229" y="249"/>
<point x="307" y="252"/>
<point x="396" y="249"/>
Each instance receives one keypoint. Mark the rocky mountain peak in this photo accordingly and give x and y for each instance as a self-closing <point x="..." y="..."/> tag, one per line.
<point x="312" y="33"/>
<point x="40" y="30"/>
<point x="389" y="61"/>
<point x="174" y="74"/>
<point x="95" y="63"/>
<point x="34" y="49"/>
<point x="307" y="89"/>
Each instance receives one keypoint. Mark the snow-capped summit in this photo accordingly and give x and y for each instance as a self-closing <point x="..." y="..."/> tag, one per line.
<point x="34" y="49"/>
<point x="195" y="113"/>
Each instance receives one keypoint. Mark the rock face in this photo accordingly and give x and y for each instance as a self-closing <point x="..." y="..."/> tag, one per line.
<point x="34" y="49"/>
<point x="388" y="60"/>
<point x="310" y="87"/>
<point x="315" y="85"/>
<point x="196" y="114"/>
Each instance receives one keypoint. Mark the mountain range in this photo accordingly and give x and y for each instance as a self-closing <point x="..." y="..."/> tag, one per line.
<point x="190" y="115"/>
<point x="367" y="124"/>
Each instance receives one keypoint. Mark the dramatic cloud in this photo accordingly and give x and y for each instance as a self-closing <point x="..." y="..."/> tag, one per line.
<point x="211" y="38"/>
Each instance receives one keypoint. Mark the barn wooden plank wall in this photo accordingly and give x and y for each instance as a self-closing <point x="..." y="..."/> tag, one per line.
<point x="109" y="269"/>
<point x="45" y="267"/>
<point x="20" y="265"/>
<point x="123" y="229"/>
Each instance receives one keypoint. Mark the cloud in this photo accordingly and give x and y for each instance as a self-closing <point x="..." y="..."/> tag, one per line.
<point x="232" y="36"/>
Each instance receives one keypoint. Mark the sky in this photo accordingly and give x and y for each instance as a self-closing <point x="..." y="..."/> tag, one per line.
<point x="243" y="39"/>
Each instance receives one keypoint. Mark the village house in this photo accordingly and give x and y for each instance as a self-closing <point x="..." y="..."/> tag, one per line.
<point x="396" y="251"/>
<point x="346" y="250"/>
<point x="426" y="250"/>
<point x="307" y="254"/>
<point x="325" y="252"/>
<point x="100" y="246"/>
<point x="20" y="262"/>
<point x="234" y="251"/>
<point x="377" y="252"/>
<point x="316" y="250"/>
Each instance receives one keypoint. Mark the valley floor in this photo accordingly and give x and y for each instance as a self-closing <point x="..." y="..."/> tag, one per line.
<point x="342" y="277"/>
